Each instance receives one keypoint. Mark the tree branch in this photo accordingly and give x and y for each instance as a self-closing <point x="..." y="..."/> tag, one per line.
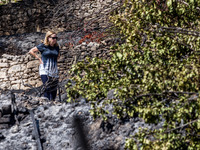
<point x="182" y="126"/>
<point x="175" y="30"/>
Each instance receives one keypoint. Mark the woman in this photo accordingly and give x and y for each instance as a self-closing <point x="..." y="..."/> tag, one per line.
<point x="48" y="70"/>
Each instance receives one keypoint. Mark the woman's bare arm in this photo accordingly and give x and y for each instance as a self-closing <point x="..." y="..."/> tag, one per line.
<point x="33" y="53"/>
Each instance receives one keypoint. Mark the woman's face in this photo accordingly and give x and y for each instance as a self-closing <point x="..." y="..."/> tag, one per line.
<point x="53" y="39"/>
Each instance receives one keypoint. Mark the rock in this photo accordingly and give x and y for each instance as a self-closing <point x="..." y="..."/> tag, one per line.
<point x="41" y="115"/>
<point x="33" y="64"/>
<point x="6" y="119"/>
<point x="44" y="99"/>
<point x="6" y="109"/>
<point x="14" y="69"/>
<point x="4" y="65"/>
<point x="4" y="126"/>
<point x="15" y="129"/>
<point x="3" y="75"/>
<point x="15" y="86"/>
<point x="27" y="124"/>
<point x="23" y="110"/>
<point x="64" y="97"/>
<point x="1" y="136"/>
<point x="34" y="102"/>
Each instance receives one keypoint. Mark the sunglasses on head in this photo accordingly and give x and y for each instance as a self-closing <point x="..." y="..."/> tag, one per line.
<point x="54" y="38"/>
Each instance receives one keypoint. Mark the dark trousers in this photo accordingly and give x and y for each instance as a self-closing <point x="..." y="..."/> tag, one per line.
<point x="49" y="86"/>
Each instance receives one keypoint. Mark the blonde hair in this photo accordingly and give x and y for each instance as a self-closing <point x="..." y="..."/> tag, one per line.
<point x="46" y="41"/>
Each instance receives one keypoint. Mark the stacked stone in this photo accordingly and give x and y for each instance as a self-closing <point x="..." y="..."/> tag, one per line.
<point x="89" y="15"/>
<point x="17" y="72"/>
<point x="39" y="16"/>
<point x="100" y="10"/>
<point x="23" y="16"/>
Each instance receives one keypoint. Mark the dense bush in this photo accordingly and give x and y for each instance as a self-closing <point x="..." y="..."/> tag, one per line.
<point x="155" y="73"/>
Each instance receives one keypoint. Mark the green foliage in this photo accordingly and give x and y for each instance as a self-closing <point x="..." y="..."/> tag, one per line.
<point x="155" y="73"/>
<point x="4" y="2"/>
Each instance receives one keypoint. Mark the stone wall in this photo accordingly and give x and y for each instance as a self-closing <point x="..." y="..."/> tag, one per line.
<point x="79" y="17"/>
<point x="62" y="15"/>
<point x="15" y="71"/>
<point x="21" y="72"/>
<point x="24" y="16"/>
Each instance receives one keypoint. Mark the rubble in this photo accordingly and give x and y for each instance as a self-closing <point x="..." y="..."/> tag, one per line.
<point x="57" y="128"/>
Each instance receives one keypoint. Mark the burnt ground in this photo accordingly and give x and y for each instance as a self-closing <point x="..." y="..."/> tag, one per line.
<point x="63" y="126"/>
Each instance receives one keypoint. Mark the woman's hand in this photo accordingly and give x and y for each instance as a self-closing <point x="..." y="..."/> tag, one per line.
<point x="41" y="62"/>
